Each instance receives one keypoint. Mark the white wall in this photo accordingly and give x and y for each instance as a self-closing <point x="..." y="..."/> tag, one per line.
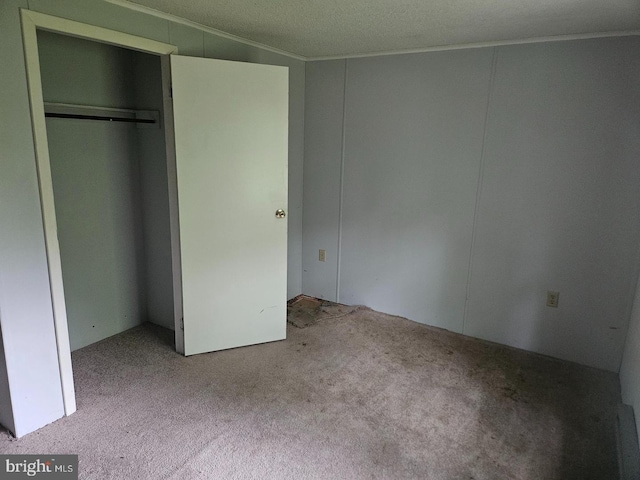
<point x="324" y="105"/>
<point x="630" y="369"/>
<point x="26" y="315"/>
<point x="82" y="72"/>
<point x="473" y="182"/>
<point x="96" y="183"/>
<point x="155" y="194"/>
<point x="630" y="366"/>
<point x="414" y="132"/>
<point x="96" y="186"/>
<point x="559" y="203"/>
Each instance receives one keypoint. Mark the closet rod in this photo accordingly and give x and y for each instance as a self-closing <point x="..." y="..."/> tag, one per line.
<point x="142" y="118"/>
<point x="96" y="117"/>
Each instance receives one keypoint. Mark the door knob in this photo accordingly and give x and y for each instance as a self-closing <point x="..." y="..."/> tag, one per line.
<point x="280" y="213"/>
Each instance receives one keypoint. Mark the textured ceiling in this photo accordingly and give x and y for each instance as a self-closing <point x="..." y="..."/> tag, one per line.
<point x="326" y="28"/>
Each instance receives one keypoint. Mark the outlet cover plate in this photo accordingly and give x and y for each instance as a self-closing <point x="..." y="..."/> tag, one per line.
<point x="552" y="299"/>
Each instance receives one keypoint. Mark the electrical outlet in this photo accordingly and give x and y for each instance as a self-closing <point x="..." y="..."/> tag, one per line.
<point x="552" y="299"/>
<point x="322" y="255"/>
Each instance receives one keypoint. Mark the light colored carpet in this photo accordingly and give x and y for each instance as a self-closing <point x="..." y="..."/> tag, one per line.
<point x="354" y="396"/>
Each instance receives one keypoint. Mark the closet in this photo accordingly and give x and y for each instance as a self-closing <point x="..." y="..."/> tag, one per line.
<point x="181" y="224"/>
<point x="162" y="182"/>
<point x="103" y="108"/>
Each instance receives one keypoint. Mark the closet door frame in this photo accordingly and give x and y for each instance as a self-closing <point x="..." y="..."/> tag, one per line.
<point x="31" y="22"/>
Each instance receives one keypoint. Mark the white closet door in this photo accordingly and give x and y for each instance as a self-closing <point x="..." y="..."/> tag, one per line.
<point x="231" y="136"/>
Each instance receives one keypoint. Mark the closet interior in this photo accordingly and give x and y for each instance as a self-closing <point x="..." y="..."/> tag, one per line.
<point x="104" y="118"/>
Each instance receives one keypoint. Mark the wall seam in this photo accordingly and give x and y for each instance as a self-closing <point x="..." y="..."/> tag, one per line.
<point x="494" y="62"/>
<point x="303" y="249"/>
<point x="340" y="200"/>
<point x="304" y="121"/>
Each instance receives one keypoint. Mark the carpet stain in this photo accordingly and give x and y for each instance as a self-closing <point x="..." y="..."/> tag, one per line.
<point x="304" y="311"/>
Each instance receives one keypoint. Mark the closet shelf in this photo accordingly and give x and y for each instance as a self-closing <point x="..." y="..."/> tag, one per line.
<point x="143" y="118"/>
